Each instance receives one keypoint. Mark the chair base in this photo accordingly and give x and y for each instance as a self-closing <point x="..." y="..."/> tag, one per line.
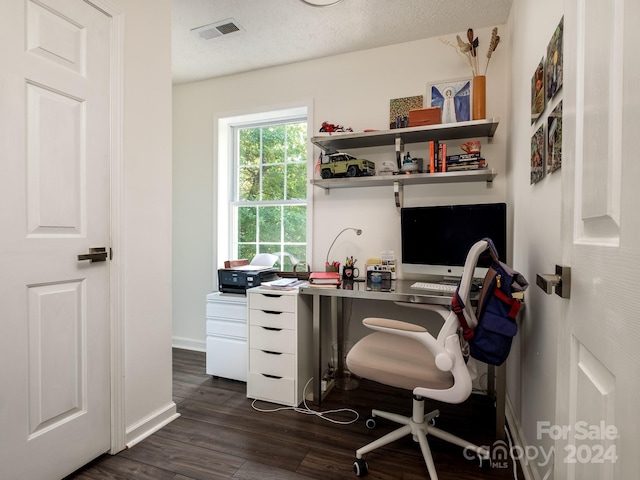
<point x="418" y="425"/>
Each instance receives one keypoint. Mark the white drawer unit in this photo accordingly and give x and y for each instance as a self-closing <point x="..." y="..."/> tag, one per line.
<point x="280" y="345"/>
<point x="227" y="351"/>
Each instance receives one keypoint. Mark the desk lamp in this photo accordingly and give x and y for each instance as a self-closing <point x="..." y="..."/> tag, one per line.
<point x="358" y="232"/>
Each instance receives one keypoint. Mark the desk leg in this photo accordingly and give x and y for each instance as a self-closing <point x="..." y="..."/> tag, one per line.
<point x="497" y="388"/>
<point x="500" y="394"/>
<point x="317" y="351"/>
<point x="336" y="323"/>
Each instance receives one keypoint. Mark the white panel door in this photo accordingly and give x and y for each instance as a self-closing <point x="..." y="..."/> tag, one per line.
<point x="599" y="351"/>
<point x="55" y="196"/>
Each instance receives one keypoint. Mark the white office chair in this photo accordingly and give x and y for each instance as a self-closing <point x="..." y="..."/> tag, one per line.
<point x="407" y="356"/>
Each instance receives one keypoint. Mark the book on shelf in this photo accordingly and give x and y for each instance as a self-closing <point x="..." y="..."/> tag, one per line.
<point x="442" y="155"/>
<point x="462" y="157"/>
<point x="434" y="149"/>
<point x="324" y="278"/>
<point x="480" y="164"/>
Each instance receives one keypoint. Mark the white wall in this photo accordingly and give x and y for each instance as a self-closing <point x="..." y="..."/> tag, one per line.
<point x="537" y="243"/>
<point x="147" y="215"/>
<point x="352" y="90"/>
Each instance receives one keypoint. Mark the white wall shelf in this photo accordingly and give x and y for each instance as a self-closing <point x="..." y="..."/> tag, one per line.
<point x="481" y="175"/>
<point x="331" y="142"/>
<point x="398" y="138"/>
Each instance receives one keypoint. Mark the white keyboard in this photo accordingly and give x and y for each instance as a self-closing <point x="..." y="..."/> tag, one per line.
<point x="435" y="287"/>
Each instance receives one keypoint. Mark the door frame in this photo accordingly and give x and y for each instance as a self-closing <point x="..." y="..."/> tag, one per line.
<point x="116" y="265"/>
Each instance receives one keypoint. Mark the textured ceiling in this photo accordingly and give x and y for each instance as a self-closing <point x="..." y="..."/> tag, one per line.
<point x="277" y="32"/>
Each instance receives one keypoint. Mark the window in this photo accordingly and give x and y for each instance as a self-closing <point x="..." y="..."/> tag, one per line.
<point x="267" y="198"/>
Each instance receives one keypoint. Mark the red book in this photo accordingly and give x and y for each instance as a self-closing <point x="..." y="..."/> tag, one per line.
<point x="443" y="157"/>
<point x="331" y="278"/>
<point x="432" y="156"/>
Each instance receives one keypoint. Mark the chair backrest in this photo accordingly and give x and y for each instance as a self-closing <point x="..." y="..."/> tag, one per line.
<point x="452" y="323"/>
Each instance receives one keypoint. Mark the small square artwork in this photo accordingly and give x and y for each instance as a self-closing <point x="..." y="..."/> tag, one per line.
<point x="554" y="139"/>
<point x="537" y="155"/>
<point x="554" y="66"/>
<point x="399" y="109"/>
<point x="537" y="92"/>
<point x="454" y="99"/>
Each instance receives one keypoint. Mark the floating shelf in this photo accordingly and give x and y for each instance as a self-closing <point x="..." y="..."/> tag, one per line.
<point x="397" y="138"/>
<point x="451" y="131"/>
<point x="482" y="175"/>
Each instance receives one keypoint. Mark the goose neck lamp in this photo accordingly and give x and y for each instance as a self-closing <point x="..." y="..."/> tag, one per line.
<point x="358" y="232"/>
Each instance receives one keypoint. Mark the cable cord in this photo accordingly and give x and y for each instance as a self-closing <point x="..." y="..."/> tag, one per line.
<point x="307" y="411"/>
<point x="513" y="460"/>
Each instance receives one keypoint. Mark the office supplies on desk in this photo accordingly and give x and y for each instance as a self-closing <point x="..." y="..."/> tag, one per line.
<point x="435" y="286"/>
<point x="325" y="279"/>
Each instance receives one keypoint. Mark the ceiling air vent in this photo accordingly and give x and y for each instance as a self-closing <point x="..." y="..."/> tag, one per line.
<point x="218" y="29"/>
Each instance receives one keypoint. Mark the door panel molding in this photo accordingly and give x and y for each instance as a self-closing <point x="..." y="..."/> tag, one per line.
<point x="599" y="122"/>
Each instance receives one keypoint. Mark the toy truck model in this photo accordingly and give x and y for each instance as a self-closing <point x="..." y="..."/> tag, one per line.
<point x="345" y="165"/>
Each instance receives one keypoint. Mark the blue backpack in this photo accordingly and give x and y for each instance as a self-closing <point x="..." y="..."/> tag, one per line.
<point x="490" y="341"/>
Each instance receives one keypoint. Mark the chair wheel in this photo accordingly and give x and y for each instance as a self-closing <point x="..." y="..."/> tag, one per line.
<point x="370" y="423"/>
<point x="360" y="467"/>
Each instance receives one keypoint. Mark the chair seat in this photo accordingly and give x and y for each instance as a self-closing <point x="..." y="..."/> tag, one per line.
<point x="397" y="361"/>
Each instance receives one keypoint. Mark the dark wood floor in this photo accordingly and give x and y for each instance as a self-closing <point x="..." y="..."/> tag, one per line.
<point x="220" y="436"/>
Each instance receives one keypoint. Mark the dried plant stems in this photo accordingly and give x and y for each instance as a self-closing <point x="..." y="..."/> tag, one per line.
<point x="469" y="49"/>
<point x="493" y="44"/>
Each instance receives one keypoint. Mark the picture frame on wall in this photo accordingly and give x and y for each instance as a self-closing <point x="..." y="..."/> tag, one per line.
<point x="453" y="97"/>
<point x="537" y="155"/>
<point x="537" y="92"/>
<point x="554" y="139"/>
<point x="554" y="67"/>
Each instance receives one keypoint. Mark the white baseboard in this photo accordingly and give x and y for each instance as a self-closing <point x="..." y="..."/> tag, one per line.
<point x="189" y="344"/>
<point x="151" y="424"/>
<point x="529" y="469"/>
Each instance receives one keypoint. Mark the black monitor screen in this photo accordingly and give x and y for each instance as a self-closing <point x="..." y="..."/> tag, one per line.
<point x="443" y="235"/>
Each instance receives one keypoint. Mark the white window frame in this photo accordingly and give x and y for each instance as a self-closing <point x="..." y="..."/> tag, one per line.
<point x="226" y="126"/>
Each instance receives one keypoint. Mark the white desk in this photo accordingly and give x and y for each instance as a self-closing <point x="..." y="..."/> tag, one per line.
<point x="400" y="292"/>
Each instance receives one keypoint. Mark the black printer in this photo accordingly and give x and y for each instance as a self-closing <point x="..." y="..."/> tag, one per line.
<point x="238" y="279"/>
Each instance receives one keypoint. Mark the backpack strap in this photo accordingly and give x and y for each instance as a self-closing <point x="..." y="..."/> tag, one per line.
<point x="457" y="305"/>
<point x="492" y="249"/>
<point x="512" y="302"/>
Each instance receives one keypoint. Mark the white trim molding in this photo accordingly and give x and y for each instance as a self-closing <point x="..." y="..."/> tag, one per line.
<point x="151" y="424"/>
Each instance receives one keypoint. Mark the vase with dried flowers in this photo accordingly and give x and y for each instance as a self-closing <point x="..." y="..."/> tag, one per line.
<point x="469" y="51"/>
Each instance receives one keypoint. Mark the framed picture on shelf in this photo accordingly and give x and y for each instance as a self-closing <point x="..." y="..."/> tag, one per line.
<point x="399" y="110"/>
<point x="537" y="92"/>
<point x="453" y="97"/>
<point x="537" y="155"/>
<point x="554" y="66"/>
<point x="554" y="139"/>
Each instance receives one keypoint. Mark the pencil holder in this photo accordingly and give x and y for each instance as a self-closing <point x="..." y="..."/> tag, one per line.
<point x="349" y="273"/>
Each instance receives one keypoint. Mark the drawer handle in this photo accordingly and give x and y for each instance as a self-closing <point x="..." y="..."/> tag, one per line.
<point x="276" y="377"/>
<point x="270" y="352"/>
<point x="272" y="295"/>
<point x="273" y="329"/>
<point x="272" y="312"/>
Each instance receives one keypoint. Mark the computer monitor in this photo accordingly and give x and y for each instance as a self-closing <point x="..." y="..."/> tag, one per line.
<point x="436" y="239"/>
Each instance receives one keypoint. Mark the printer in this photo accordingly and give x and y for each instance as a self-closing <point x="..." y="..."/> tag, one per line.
<point x="238" y="279"/>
